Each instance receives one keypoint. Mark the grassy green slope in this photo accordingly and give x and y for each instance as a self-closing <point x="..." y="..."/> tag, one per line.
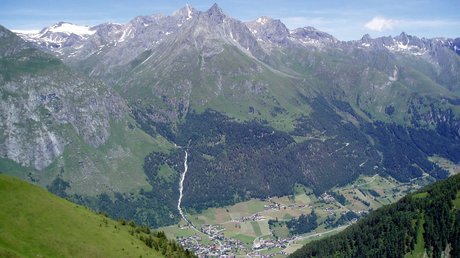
<point x="231" y="83"/>
<point x="35" y="223"/>
<point x="119" y="161"/>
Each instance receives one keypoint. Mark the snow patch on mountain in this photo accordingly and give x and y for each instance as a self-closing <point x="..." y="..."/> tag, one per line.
<point x="189" y="12"/>
<point x="59" y="35"/>
<point x="263" y="20"/>
<point x="69" y="28"/>
<point x="407" y="47"/>
<point x="125" y="35"/>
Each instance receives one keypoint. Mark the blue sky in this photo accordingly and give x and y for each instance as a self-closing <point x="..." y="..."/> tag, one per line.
<point x="345" y="19"/>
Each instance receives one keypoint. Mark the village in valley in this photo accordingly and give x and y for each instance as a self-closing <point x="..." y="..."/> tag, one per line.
<point x="223" y="246"/>
<point x="259" y="228"/>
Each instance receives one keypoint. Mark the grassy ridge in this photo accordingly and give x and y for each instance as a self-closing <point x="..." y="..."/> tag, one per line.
<point x="35" y="223"/>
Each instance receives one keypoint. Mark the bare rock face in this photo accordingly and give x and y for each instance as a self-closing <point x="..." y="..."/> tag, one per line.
<point x="36" y="148"/>
<point x="35" y="109"/>
<point x="267" y="29"/>
<point x="39" y="96"/>
<point x="25" y="138"/>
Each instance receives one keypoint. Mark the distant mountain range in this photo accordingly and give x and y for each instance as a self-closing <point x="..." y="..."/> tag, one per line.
<point x="102" y="114"/>
<point x="66" y="38"/>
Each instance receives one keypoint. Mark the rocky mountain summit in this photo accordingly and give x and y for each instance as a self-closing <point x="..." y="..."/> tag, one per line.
<point x="63" y="36"/>
<point x="106" y="50"/>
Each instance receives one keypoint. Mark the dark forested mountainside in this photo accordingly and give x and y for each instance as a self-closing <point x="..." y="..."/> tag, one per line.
<point x="425" y="222"/>
<point x="231" y="162"/>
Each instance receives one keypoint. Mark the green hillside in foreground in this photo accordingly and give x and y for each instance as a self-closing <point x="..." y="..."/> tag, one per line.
<point x="35" y="223"/>
<point x="423" y="224"/>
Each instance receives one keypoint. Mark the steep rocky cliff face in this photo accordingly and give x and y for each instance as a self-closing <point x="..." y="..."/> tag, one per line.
<point x="56" y="123"/>
<point x="33" y="108"/>
<point x="428" y="112"/>
<point x="39" y="95"/>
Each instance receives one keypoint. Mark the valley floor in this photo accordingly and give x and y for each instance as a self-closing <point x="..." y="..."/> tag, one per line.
<point x="243" y="229"/>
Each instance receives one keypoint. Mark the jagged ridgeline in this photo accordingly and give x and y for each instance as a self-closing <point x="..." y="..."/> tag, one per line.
<point x="35" y="223"/>
<point x="425" y="223"/>
<point x="259" y="107"/>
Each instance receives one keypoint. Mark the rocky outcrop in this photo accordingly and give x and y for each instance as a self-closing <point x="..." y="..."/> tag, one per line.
<point x="39" y="96"/>
<point x="432" y="113"/>
<point x="34" y="110"/>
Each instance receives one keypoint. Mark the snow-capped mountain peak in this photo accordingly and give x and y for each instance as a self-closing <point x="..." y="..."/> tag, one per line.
<point x="59" y="35"/>
<point x="69" y="28"/>
<point x="263" y="20"/>
<point x="187" y="12"/>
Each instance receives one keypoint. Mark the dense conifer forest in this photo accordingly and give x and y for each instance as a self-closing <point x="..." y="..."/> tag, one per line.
<point x="427" y="221"/>
<point x="231" y="162"/>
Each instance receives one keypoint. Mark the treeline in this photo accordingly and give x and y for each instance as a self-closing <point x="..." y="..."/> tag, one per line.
<point x="392" y="231"/>
<point x="303" y="224"/>
<point x="233" y="161"/>
<point x="297" y="226"/>
<point x="344" y="219"/>
<point x="154" y="208"/>
<point x="157" y="240"/>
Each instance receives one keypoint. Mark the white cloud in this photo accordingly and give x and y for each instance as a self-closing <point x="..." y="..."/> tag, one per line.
<point x="380" y="23"/>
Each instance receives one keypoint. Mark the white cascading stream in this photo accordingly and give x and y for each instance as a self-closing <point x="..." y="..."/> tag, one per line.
<point x="181" y="187"/>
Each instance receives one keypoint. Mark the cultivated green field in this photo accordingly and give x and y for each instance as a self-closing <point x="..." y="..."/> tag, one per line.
<point x="446" y="164"/>
<point x="365" y="193"/>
